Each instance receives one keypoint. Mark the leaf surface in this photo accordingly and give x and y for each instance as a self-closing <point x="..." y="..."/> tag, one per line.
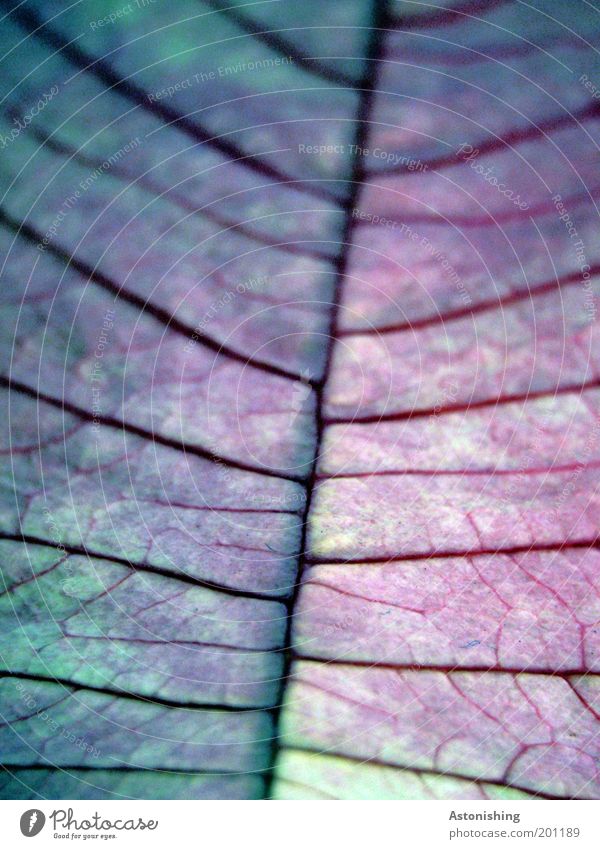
<point x="301" y="486"/>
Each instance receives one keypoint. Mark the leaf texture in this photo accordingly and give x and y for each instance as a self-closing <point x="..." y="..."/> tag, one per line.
<point x="301" y="388"/>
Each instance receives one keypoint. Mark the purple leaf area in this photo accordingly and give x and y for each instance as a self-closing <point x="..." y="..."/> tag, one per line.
<point x="301" y="387"/>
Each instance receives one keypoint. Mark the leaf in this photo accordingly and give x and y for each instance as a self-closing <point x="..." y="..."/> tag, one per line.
<point x="303" y="486"/>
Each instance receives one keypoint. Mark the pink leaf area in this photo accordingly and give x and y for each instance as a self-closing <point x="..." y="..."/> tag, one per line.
<point x="300" y="389"/>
